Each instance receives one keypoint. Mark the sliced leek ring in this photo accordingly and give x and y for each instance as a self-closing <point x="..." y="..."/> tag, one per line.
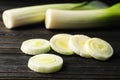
<point x="60" y="44"/>
<point x="99" y="49"/>
<point x="45" y="63"/>
<point x="35" y="46"/>
<point x="77" y="45"/>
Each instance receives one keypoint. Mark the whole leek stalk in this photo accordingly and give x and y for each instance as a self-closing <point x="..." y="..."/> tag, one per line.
<point x="67" y="19"/>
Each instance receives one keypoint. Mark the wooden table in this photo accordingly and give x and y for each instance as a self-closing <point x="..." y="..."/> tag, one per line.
<point x="13" y="63"/>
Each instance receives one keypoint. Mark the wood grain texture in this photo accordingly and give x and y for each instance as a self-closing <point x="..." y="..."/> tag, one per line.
<point x="13" y="63"/>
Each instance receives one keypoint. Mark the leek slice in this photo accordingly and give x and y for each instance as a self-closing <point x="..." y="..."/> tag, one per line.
<point x="60" y="44"/>
<point x="77" y="43"/>
<point x="35" y="46"/>
<point x="45" y="63"/>
<point x="98" y="48"/>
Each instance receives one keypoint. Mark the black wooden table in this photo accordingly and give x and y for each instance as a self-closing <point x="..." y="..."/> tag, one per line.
<point x="13" y="63"/>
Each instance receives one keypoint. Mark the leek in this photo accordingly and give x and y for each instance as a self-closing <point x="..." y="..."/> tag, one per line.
<point x="60" y="44"/>
<point x="67" y="19"/>
<point x="45" y="63"/>
<point x="98" y="49"/>
<point x="35" y="46"/>
<point x="94" y="5"/>
<point x="77" y="43"/>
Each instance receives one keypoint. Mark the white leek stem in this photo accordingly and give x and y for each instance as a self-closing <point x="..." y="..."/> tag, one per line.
<point x="68" y="19"/>
<point x="62" y="19"/>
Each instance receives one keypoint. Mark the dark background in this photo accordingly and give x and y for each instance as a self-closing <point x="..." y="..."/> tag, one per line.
<point x="13" y="63"/>
<point x="54" y="1"/>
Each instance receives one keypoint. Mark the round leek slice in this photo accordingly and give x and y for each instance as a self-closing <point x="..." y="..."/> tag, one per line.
<point x="45" y="63"/>
<point x="77" y="45"/>
<point x="60" y="44"/>
<point x="98" y="48"/>
<point x="35" y="46"/>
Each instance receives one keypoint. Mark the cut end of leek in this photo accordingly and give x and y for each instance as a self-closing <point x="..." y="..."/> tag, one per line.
<point x="48" y="18"/>
<point x="35" y="46"/>
<point x="7" y="19"/>
<point x="45" y="63"/>
<point x="60" y="44"/>
<point x="77" y="43"/>
<point x="99" y="49"/>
